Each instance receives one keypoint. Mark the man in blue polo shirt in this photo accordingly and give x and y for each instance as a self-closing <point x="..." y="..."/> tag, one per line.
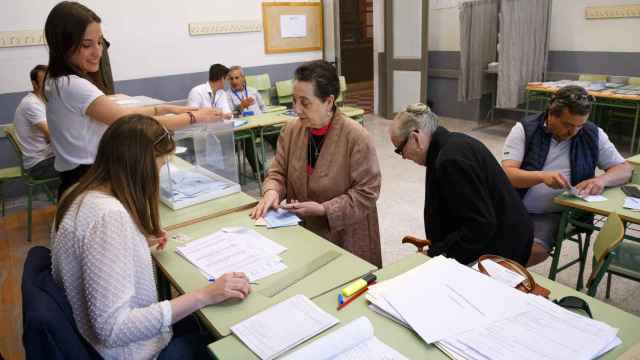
<point x="548" y="153"/>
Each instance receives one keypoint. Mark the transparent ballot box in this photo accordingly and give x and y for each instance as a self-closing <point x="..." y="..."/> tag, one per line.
<point x="203" y="167"/>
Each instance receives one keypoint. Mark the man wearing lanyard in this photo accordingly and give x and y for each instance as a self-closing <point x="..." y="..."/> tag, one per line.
<point x="246" y="101"/>
<point x="243" y="99"/>
<point x="211" y="94"/>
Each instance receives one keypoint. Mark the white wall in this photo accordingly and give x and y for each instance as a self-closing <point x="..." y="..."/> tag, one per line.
<point x="444" y="29"/>
<point x="148" y="39"/>
<point x="570" y="31"/>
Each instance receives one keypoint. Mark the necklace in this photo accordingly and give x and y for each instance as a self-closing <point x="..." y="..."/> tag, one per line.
<point x="316" y="146"/>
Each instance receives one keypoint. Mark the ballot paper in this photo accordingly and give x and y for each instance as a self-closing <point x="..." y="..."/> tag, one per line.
<point x="544" y="331"/>
<point x="631" y="203"/>
<point x="588" y="198"/>
<point x="354" y="341"/>
<point x="536" y="328"/>
<point x="283" y="326"/>
<point x="179" y="185"/>
<point x="234" y="250"/>
<point x="501" y="273"/>
<point x="281" y="218"/>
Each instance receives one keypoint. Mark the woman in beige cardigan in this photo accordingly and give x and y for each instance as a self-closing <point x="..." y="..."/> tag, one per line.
<point x="326" y="168"/>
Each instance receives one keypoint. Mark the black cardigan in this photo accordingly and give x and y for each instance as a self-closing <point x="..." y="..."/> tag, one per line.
<point x="471" y="209"/>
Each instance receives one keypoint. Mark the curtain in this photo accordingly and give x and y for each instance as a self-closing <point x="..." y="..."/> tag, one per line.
<point x="478" y="41"/>
<point x="523" y="48"/>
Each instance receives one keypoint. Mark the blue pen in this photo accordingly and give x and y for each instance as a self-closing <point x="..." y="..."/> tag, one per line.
<point x="340" y="299"/>
<point x="210" y="279"/>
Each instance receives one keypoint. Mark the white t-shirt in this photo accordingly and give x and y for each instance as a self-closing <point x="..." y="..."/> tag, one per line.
<point x="35" y="147"/>
<point x="74" y="135"/>
<point x="539" y="198"/>
<point x="235" y="97"/>
<point x="201" y="96"/>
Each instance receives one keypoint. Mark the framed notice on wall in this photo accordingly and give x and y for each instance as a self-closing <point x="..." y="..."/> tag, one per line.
<point x="292" y="26"/>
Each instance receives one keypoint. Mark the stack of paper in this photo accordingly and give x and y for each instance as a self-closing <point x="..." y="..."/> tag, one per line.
<point x="234" y="249"/>
<point x="281" y="218"/>
<point x="353" y="341"/>
<point x="283" y="326"/>
<point x="588" y="198"/>
<point x="472" y="316"/>
<point x="631" y="203"/>
<point x="179" y="185"/>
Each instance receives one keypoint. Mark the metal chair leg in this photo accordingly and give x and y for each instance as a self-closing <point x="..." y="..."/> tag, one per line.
<point x="558" y="245"/>
<point x="583" y="260"/>
<point x="608" y="285"/>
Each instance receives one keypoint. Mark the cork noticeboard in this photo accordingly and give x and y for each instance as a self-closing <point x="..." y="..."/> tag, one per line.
<point x="310" y="12"/>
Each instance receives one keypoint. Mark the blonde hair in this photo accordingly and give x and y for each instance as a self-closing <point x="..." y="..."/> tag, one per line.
<point x="416" y="117"/>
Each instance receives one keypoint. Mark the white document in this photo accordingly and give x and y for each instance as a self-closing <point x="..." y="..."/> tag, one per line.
<point x="292" y="26"/>
<point x="459" y="298"/>
<point x="234" y="249"/>
<point x="353" y="341"/>
<point x="501" y="273"/>
<point x="544" y="331"/>
<point x="588" y="198"/>
<point x="631" y="203"/>
<point x="283" y="326"/>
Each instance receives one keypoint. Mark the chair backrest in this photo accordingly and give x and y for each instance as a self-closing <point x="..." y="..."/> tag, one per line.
<point x="50" y="331"/>
<point x="9" y="130"/>
<point x="608" y="239"/>
<point x="284" y="89"/>
<point x="592" y="77"/>
<point x="262" y="83"/>
<point x="634" y="81"/>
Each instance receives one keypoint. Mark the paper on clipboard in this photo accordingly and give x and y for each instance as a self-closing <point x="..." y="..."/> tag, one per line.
<point x="293" y="26"/>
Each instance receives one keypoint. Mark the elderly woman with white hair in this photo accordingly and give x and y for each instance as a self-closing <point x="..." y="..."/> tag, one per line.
<point x="470" y="209"/>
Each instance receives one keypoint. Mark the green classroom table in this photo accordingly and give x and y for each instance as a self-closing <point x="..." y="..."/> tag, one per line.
<point x="409" y="344"/>
<point x="302" y="247"/>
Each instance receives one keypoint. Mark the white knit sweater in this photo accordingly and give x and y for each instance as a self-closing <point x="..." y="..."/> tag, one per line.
<point x="103" y="262"/>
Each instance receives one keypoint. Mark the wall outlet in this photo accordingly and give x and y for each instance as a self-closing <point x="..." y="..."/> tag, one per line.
<point x="224" y="27"/>
<point x="612" y="12"/>
<point x="21" y="38"/>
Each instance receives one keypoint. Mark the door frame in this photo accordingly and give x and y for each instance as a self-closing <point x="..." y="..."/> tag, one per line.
<point x="389" y="63"/>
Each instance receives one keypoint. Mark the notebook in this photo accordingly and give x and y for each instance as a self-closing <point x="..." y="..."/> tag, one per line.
<point x="354" y="341"/>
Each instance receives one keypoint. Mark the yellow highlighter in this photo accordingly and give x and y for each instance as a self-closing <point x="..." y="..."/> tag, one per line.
<point x="358" y="284"/>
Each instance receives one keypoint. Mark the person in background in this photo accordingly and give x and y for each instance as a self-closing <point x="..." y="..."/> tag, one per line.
<point x="30" y="121"/>
<point x="326" y="168"/>
<point x="470" y="208"/>
<point x="78" y="111"/>
<point x="100" y="253"/>
<point x="211" y="94"/>
<point x="548" y="153"/>
<point x="247" y="101"/>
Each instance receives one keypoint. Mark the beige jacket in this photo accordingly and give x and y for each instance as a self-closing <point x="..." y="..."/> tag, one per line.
<point x="346" y="181"/>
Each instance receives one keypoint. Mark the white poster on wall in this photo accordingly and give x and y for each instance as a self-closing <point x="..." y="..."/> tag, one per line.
<point x="292" y="26"/>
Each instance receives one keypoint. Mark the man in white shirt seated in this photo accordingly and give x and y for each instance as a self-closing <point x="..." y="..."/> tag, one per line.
<point x="246" y="101"/>
<point x="211" y="94"/>
<point x="548" y="153"/>
<point x="31" y="127"/>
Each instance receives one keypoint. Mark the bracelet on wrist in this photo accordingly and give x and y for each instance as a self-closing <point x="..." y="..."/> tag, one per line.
<point x="192" y="118"/>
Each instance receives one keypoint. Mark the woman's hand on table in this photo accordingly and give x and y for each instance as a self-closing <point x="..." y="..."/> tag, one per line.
<point x="270" y="200"/>
<point x="306" y="208"/>
<point x="158" y="241"/>
<point x="233" y="285"/>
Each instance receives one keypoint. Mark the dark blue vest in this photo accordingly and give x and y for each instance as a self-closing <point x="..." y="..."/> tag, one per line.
<point x="583" y="154"/>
